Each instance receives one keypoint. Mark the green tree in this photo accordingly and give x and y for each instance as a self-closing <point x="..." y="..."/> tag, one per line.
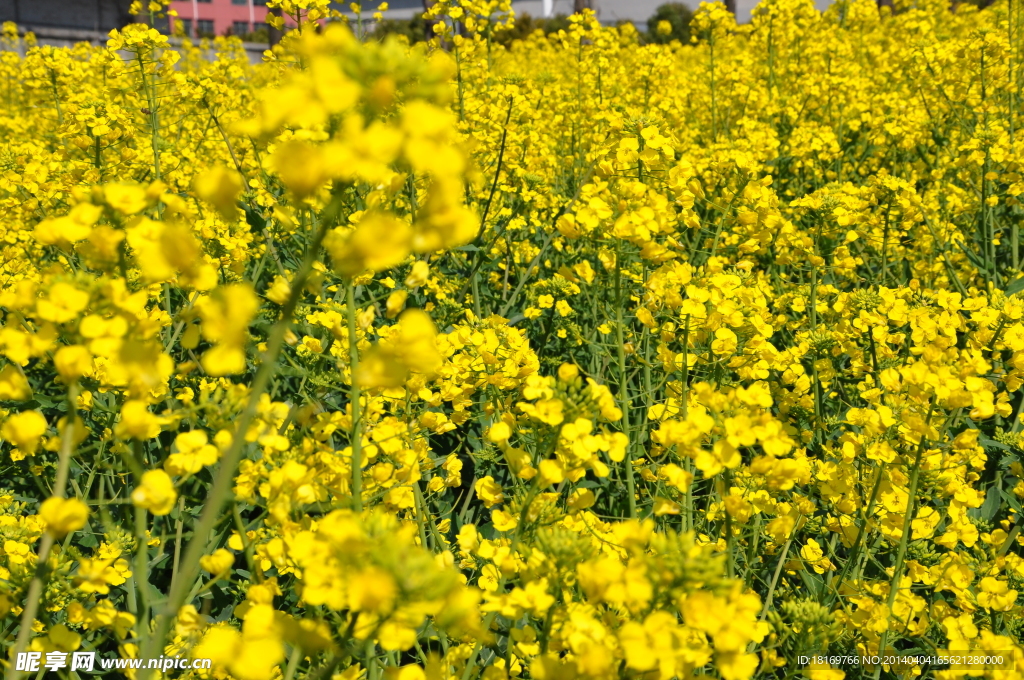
<point x="415" y="29"/>
<point x="678" y="17"/>
<point x="525" y="26"/>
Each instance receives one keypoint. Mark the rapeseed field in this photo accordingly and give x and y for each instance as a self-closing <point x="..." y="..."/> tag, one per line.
<point x="569" y="358"/>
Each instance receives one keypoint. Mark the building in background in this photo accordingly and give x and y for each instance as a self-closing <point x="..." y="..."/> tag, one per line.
<point x="66" y="16"/>
<point x="608" y="11"/>
<point x="93" y="19"/>
<point x="208" y="18"/>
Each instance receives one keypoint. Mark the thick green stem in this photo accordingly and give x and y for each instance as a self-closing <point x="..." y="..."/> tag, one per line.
<point x="35" y="588"/>
<point x="517" y="534"/>
<point x="141" y="574"/>
<point x="461" y="86"/>
<point x="729" y="560"/>
<point x="861" y="532"/>
<point x="684" y="396"/>
<point x="885" y="244"/>
<point x="154" y="120"/>
<point x="178" y="526"/>
<point x="221" y="488"/>
<point x="354" y="396"/>
<point x="623" y="387"/>
<point x="778" y="571"/>
<point x="908" y="518"/>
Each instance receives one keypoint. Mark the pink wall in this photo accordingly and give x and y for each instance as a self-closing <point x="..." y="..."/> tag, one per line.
<point x="223" y="13"/>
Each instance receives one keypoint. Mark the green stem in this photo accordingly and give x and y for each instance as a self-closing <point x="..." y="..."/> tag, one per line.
<point x="221" y="488"/>
<point x="861" y="531"/>
<point x="778" y="571"/>
<point x="354" y="397"/>
<point x="908" y="518"/>
<point x="458" y="76"/>
<point x="623" y="387"/>
<point x="471" y="661"/>
<point x="141" y="574"/>
<point x="293" y="662"/>
<point x="35" y="588"/>
<point x="727" y="489"/>
<point x="179" y="525"/>
<point x="154" y="121"/>
<point x="684" y="408"/>
<point x="885" y="243"/>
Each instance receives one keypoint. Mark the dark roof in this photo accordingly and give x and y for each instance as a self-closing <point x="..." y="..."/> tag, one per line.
<point x="94" y="15"/>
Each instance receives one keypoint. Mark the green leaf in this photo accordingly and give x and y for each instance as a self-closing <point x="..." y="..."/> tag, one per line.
<point x="815" y="584"/>
<point x="992" y="443"/>
<point x="1011" y="500"/>
<point x="1015" y="286"/>
<point x="256" y="222"/>
<point x="976" y="259"/>
<point x="990" y="507"/>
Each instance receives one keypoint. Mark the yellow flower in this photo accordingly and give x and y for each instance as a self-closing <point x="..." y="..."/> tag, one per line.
<point x="220" y="187"/>
<point x="16" y="552"/>
<point x="279" y="290"/>
<point x="443" y="221"/>
<point x="226" y="314"/>
<point x="378" y="242"/>
<point x="581" y="499"/>
<point x="63" y="303"/>
<point x="193" y="454"/>
<point x="24" y="430"/>
<point x="63" y="515"/>
<point x="63" y="231"/>
<point x="499" y="432"/>
<point x="725" y="341"/>
<point x="551" y="472"/>
<point x="14" y="385"/>
<point x="489" y="491"/>
<point x="395" y="303"/>
<point x="418" y="275"/>
<point x="137" y="422"/>
<point x="812" y="551"/>
<point x="665" y="506"/>
<point x="127" y="199"/>
<point x="218" y="563"/>
<point x="98" y="574"/>
<point x="411" y="348"/>
<point x="503" y="521"/>
<point x="996" y="594"/>
<point x="301" y="167"/>
<point x="72" y="362"/>
<point x="155" y="493"/>
<point x="823" y="671"/>
<point x="63" y="638"/>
